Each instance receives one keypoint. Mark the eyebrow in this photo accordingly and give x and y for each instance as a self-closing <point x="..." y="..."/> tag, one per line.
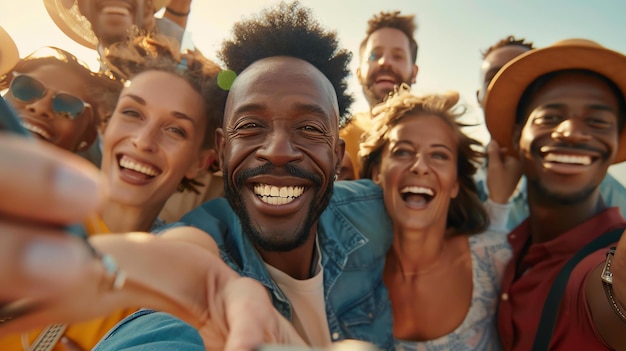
<point x="310" y="108"/>
<point x="599" y="107"/>
<point x="404" y="141"/>
<point x="177" y="114"/>
<point x="298" y="107"/>
<point x="247" y="108"/>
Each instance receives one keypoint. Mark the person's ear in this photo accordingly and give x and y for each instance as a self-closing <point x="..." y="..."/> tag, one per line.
<point x="220" y="142"/>
<point x="358" y="76"/>
<point x="376" y="175"/>
<point x="202" y="162"/>
<point x="340" y="149"/>
<point x="455" y="190"/>
<point x="414" y="74"/>
<point x="88" y="136"/>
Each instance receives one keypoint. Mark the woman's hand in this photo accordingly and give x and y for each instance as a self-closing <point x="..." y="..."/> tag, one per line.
<point x="43" y="189"/>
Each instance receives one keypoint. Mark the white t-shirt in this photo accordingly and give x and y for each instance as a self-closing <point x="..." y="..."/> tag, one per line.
<point x="307" y="302"/>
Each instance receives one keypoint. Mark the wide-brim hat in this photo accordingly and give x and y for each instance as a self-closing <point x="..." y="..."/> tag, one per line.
<point x="508" y="85"/>
<point x="67" y="17"/>
<point x="9" y="55"/>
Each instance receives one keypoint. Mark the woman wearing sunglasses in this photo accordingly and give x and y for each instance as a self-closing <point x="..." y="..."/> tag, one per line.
<point x="59" y="99"/>
<point x="158" y="137"/>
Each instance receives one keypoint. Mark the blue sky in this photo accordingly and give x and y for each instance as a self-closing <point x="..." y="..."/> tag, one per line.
<point x="451" y="33"/>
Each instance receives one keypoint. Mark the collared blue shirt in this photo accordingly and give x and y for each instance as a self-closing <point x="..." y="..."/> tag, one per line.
<point x="354" y="235"/>
<point x="612" y="192"/>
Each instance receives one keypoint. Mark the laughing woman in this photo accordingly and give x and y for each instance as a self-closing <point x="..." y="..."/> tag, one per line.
<point x="159" y="135"/>
<point x="444" y="268"/>
<point x="59" y="100"/>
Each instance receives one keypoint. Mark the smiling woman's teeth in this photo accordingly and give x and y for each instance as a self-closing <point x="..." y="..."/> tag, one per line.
<point x="128" y="163"/>
<point x="35" y="129"/>
<point x="275" y="195"/>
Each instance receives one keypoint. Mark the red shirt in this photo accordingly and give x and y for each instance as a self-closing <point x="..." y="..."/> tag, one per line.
<point x="521" y="302"/>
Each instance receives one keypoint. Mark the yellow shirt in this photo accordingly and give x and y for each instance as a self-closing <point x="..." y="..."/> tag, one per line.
<point x="351" y="134"/>
<point x="86" y="334"/>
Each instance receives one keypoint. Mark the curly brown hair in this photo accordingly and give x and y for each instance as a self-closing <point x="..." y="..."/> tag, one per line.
<point x="466" y="214"/>
<point x="146" y="52"/>
<point x="510" y="40"/>
<point x="404" y="23"/>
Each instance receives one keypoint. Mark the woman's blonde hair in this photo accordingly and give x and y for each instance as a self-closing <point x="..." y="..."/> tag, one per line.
<point x="466" y="214"/>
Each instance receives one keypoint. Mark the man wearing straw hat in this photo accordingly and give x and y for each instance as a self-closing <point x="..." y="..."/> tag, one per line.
<point x="97" y="24"/>
<point x="561" y="111"/>
<point x="509" y="189"/>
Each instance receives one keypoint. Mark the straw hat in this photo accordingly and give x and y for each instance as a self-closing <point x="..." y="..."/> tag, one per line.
<point x="508" y="85"/>
<point x="9" y="55"/>
<point x="68" y="18"/>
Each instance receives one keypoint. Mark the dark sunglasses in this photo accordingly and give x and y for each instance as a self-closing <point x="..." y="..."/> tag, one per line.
<point x="28" y="89"/>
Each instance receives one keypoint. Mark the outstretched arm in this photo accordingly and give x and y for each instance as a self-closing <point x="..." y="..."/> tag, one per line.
<point x="48" y="276"/>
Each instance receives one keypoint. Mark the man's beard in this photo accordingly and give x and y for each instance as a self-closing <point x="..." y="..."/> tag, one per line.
<point x="368" y="87"/>
<point x="550" y="197"/>
<point x="570" y="198"/>
<point x="275" y="242"/>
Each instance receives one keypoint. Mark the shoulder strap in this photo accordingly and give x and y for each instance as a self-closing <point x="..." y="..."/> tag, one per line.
<point x="48" y="337"/>
<point x="552" y="303"/>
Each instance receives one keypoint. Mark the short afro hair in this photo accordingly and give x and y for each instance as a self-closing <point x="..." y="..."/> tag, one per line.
<point x="508" y="41"/>
<point x="290" y="30"/>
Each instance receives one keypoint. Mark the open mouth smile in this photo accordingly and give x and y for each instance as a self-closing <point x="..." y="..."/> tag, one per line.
<point x="582" y="160"/>
<point x="417" y="195"/>
<point x="137" y="168"/>
<point x="37" y="130"/>
<point x="277" y="195"/>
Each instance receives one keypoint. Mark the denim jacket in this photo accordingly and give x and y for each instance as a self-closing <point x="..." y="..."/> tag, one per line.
<point x="612" y="192"/>
<point x="354" y="234"/>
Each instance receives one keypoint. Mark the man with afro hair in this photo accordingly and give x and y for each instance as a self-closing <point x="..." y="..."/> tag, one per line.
<point x="317" y="246"/>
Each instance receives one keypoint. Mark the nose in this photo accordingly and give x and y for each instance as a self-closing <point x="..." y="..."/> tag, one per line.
<point x="146" y="139"/>
<point x="384" y="59"/>
<point x="41" y="107"/>
<point x="571" y="130"/>
<point x="279" y="149"/>
<point x="420" y="165"/>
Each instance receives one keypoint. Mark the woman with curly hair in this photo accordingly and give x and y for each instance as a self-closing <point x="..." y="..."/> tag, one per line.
<point x="444" y="268"/>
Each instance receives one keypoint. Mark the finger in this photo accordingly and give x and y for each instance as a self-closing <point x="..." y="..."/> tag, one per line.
<point x="37" y="261"/>
<point x="44" y="183"/>
<point x="245" y="317"/>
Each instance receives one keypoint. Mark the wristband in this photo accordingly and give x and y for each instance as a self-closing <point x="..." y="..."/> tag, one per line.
<point x="176" y="13"/>
<point x="607" y="283"/>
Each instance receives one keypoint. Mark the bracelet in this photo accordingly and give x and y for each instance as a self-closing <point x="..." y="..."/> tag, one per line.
<point x="176" y="13"/>
<point x="607" y="283"/>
